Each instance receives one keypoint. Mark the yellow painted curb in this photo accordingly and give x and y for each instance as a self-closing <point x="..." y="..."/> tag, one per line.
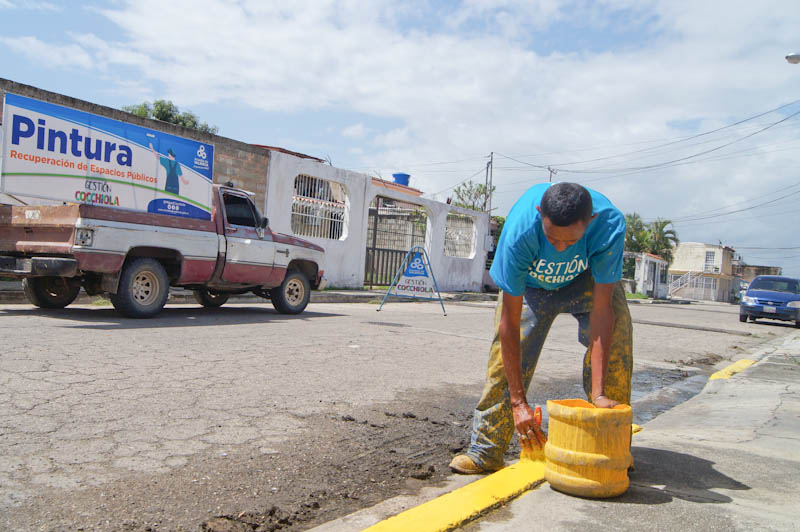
<point x="456" y="508"/>
<point x="460" y="506"/>
<point x="732" y="370"/>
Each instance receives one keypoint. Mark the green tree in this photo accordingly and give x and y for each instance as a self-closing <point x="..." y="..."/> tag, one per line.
<point x="637" y="236"/>
<point x="166" y="111"/>
<point x="471" y="195"/>
<point x="500" y="221"/>
<point x="662" y="239"/>
<point x="656" y="237"/>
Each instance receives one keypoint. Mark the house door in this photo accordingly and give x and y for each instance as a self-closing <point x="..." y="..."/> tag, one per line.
<point x="393" y="228"/>
<point x="651" y="282"/>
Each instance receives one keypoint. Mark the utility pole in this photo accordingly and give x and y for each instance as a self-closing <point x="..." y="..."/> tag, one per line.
<point x="552" y="173"/>
<point x="486" y="187"/>
<point x="489" y="190"/>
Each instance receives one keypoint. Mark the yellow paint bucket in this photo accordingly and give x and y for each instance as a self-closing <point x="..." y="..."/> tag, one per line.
<point x="588" y="448"/>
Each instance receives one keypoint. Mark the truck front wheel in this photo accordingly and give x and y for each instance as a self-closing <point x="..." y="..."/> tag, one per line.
<point x="292" y="296"/>
<point x="143" y="289"/>
<point x="51" y="292"/>
<point x="209" y="298"/>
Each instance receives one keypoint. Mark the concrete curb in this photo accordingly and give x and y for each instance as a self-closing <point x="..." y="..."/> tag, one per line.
<point x="185" y="297"/>
<point x="660" y="301"/>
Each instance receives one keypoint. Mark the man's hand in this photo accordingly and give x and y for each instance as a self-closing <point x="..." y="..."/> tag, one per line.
<point x="601" y="327"/>
<point x="601" y="401"/>
<point x="528" y="430"/>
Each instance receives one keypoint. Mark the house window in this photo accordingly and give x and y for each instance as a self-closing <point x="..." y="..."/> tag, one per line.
<point x="710" y="259"/>
<point x="459" y="235"/>
<point x="320" y="208"/>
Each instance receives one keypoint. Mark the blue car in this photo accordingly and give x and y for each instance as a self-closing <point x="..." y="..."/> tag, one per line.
<point x="773" y="297"/>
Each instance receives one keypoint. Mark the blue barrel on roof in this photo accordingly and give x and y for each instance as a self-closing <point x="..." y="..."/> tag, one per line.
<point x="401" y="179"/>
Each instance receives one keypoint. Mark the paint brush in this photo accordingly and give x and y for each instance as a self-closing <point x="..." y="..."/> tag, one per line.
<point x="532" y="451"/>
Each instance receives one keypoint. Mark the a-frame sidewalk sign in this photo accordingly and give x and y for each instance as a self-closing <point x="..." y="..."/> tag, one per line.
<point x="415" y="278"/>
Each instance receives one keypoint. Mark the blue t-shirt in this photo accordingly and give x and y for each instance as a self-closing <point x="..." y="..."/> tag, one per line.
<point x="524" y="256"/>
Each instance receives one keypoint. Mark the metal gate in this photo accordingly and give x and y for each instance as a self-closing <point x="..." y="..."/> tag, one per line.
<point x="393" y="228"/>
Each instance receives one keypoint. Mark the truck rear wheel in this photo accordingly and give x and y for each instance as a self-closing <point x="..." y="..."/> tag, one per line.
<point x="51" y="292"/>
<point x="143" y="289"/>
<point x="292" y="296"/>
<point x="209" y="298"/>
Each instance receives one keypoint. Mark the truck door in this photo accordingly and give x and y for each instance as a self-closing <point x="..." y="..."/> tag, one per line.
<point x="250" y="251"/>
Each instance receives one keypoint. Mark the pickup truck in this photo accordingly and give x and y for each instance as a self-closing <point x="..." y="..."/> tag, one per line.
<point x="136" y="256"/>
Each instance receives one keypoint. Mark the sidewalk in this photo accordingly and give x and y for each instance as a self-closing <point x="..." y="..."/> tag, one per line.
<point x="11" y="293"/>
<point x="728" y="459"/>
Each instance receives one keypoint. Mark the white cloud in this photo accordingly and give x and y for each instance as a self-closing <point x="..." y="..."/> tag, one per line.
<point x="29" y="4"/>
<point x="54" y="55"/>
<point x="455" y="85"/>
<point x="356" y="131"/>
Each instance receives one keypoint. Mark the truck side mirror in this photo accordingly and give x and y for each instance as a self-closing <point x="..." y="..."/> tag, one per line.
<point x="264" y="222"/>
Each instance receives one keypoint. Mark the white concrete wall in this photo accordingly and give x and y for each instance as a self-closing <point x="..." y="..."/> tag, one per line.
<point x="691" y="256"/>
<point x="344" y="259"/>
<point x="642" y="275"/>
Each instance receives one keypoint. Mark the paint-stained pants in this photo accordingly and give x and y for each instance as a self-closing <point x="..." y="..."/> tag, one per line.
<point x="493" y="424"/>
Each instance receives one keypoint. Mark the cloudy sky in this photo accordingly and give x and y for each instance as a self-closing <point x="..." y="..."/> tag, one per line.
<point x="685" y="110"/>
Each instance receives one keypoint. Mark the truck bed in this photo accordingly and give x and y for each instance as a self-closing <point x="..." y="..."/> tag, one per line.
<point x="50" y="229"/>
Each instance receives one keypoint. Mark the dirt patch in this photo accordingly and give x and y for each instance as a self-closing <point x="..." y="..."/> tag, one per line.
<point x="350" y="459"/>
<point x="708" y="359"/>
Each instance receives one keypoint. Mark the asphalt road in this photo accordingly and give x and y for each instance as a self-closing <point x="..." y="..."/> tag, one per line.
<point x="89" y="399"/>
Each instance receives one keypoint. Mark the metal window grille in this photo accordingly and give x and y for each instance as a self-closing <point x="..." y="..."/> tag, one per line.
<point x="459" y="235"/>
<point x="393" y="228"/>
<point x="700" y="287"/>
<point x="319" y="208"/>
<point x="710" y="257"/>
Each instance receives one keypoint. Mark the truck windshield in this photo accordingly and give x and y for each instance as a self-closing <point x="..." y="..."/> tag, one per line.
<point x="776" y="285"/>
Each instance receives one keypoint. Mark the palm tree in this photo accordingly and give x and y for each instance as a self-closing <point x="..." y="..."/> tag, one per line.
<point x="662" y="240"/>
<point x="637" y="236"/>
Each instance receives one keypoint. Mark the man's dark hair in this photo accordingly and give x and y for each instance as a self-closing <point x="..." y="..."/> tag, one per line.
<point x="566" y="203"/>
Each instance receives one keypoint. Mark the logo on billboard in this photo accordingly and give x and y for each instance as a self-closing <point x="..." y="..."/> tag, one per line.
<point x="201" y="158"/>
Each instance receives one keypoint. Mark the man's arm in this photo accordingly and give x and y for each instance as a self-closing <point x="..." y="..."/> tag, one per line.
<point x="601" y="326"/>
<point x="509" y="330"/>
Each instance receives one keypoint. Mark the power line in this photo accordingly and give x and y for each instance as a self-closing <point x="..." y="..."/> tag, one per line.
<point x="418" y="165"/>
<point x="670" y="141"/>
<point x="684" y="139"/>
<point x="751" y="247"/>
<point x="698" y="218"/>
<point x="680" y="159"/>
<point x="737" y="155"/>
<point x="783" y="257"/>
<point x="460" y="182"/>
<point x="768" y="215"/>
<point x="684" y="146"/>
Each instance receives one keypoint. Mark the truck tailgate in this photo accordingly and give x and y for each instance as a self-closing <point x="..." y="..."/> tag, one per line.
<point x="38" y="229"/>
